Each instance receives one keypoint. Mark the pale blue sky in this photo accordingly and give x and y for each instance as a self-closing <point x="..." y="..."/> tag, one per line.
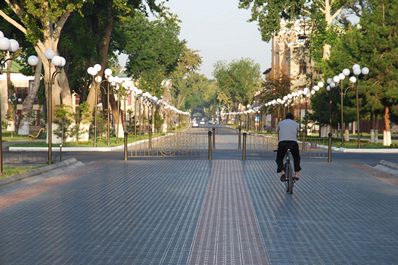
<point x="219" y="30"/>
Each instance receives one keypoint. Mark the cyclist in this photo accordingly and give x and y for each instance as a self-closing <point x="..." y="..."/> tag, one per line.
<point x="287" y="139"/>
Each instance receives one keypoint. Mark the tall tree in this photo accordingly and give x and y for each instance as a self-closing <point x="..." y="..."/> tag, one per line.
<point x="96" y="25"/>
<point x="188" y="63"/>
<point x="237" y="82"/>
<point x="153" y="48"/>
<point x="42" y="21"/>
<point x="372" y="43"/>
<point x="320" y="14"/>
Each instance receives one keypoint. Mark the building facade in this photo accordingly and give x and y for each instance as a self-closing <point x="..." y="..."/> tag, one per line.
<point x="290" y="54"/>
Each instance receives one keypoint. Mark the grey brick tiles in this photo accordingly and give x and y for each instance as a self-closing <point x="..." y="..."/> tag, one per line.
<point x="227" y="232"/>
<point x="200" y="212"/>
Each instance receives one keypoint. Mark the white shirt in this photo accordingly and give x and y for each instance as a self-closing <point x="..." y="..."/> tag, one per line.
<point x="287" y="130"/>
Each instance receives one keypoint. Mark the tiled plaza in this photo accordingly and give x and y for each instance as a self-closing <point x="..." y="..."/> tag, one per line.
<point x="199" y="212"/>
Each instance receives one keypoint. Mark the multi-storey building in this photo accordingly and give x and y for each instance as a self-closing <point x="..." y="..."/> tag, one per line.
<point x="291" y="62"/>
<point x="290" y="54"/>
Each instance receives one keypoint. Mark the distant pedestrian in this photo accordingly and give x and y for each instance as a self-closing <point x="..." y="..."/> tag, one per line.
<point x="287" y="139"/>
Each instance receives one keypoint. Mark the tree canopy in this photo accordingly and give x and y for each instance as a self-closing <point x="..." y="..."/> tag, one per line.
<point x="237" y="82"/>
<point x="372" y="43"/>
<point x="153" y="48"/>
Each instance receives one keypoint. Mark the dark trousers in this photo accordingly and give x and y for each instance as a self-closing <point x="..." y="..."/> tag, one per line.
<point x="282" y="149"/>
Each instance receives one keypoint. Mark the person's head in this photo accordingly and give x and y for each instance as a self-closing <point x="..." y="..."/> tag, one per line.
<point x="290" y="116"/>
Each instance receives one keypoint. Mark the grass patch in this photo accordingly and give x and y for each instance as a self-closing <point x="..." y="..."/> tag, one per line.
<point x="15" y="170"/>
<point x="101" y="142"/>
<point x="11" y="137"/>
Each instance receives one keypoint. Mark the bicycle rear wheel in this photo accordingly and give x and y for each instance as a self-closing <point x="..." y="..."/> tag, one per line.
<point x="289" y="177"/>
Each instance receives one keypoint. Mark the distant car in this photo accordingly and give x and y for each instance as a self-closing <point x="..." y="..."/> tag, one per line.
<point x="195" y="124"/>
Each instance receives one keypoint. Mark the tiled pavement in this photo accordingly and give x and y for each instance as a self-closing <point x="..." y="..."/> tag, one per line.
<point x="199" y="212"/>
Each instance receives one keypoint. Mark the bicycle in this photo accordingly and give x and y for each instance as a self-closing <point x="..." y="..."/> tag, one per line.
<point x="288" y="168"/>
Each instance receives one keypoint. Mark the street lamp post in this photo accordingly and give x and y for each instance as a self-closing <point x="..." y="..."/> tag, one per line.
<point x="135" y="113"/>
<point x="6" y="45"/>
<point x="338" y="79"/>
<point x="328" y="88"/>
<point x="128" y="89"/>
<point x="332" y="84"/>
<point x="109" y="77"/>
<point x="59" y="62"/>
<point x="93" y="71"/>
<point x="358" y="72"/>
<point x="117" y="88"/>
<point x="137" y="121"/>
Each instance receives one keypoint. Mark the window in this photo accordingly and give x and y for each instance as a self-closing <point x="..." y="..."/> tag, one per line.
<point x="21" y="92"/>
<point x="302" y="67"/>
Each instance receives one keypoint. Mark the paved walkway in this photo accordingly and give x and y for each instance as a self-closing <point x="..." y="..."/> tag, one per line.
<point x="199" y="212"/>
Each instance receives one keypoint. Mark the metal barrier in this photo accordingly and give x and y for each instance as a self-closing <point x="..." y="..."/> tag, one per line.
<point x="201" y="143"/>
<point x="209" y="146"/>
<point x="261" y="142"/>
<point x="173" y="145"/>
<point x="244" y="150"/>
<point x="314" y="147"/>
<point x="214" y="137"/>
<point x="239" y="137"/>
<point x="310" y="147"/>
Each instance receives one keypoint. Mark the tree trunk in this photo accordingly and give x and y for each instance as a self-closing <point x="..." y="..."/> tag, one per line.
<point x="387" y="128"/>
<point x="27" y="105"/>
<point x="103" y="53"/>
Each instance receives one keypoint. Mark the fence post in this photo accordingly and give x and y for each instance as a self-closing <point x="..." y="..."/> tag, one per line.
<point x="329" y="147"/>
<point x="239" y="137"/>
<point x="244" y="146"/>
<point x="126" y="135"/>
<point x="210" y="151"/>
<point x="60" y="152"/>
<point x="214" y="137"/>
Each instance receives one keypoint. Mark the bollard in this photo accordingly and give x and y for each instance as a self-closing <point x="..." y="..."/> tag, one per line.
<point x="126" y="135"/>
<point x="60" y="152"/>
<point x="244" y="146"/>
<point x="239" y="138"/>
<point x="210" y="151"/>
<point x="214" y="138"/>
<point x="330" y="147"/>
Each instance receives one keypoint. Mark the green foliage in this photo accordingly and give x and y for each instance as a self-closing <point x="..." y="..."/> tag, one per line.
<point x="373" y="44"/>
<point x="64" y="119"/>
<point x="274" y="89"/>
<point x="183" y="78"/>
<point x="34" y="15"/>
<point x="269" y="13"/>
<point x="69" y="123"/>
<point x="83" y="114"/>
<point x="198" y="93"/>
<point x="237" y="82"/>
<point x="158" y="121"/>
<point x="153" y="48"/>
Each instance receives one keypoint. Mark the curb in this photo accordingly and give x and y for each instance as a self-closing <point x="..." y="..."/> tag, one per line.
<point x="367" y="151"/>
<point x="387" y="167"/>
<point x="389" y="164"/>
<point x="362" y="150"/>
<point x="38" y="171"/>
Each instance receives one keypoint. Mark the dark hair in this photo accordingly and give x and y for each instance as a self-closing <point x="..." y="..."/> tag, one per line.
<point x="289" y="115"/>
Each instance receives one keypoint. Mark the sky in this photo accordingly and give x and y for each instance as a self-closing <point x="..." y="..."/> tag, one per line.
<point x="219" y="31"/>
